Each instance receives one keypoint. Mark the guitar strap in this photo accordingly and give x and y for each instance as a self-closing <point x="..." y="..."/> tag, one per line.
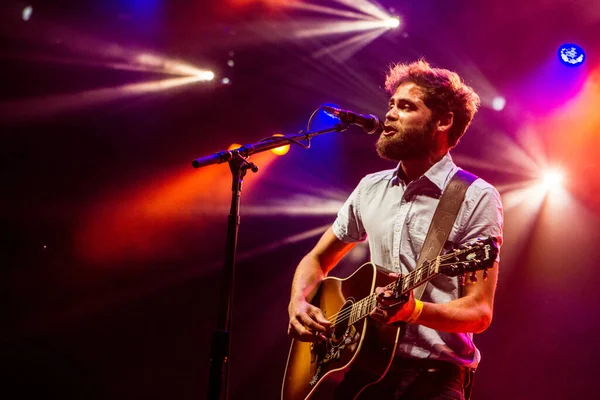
<point x="443" y="219"/>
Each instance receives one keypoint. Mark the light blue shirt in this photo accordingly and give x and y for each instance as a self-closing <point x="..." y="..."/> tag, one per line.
<point x="394" y="218"/>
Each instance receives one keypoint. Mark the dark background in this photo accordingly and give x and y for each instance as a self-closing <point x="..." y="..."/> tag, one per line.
<point x="111" y="244"/>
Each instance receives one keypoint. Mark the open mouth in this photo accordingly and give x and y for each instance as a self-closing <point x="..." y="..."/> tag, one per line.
<point x="388" y="130"/>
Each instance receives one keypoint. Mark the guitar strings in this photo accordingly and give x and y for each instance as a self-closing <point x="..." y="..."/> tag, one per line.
<point x="346" y="313"/>
<point x="342" y="316"/>
<point x="389" y="286"/>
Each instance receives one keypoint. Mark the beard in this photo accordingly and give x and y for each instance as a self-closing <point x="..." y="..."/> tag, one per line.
<point x="407" y="144"/>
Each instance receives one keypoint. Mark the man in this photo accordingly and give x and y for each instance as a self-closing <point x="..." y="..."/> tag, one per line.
<point x="429" y="110"/>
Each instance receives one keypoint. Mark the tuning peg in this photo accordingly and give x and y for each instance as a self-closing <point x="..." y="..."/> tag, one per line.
<point x="461" y="280"/>
<point x="473" y="277"/>
<point x="485" y="274"/>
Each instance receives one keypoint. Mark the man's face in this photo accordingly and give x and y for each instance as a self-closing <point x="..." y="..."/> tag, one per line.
<point x="409" y="126"/>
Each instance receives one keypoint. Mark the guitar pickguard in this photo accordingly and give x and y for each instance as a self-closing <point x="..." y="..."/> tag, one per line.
<point x="331" y="350"/>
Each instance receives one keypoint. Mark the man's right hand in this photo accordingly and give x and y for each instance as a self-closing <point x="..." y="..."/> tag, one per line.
<point x="307" y="322"/>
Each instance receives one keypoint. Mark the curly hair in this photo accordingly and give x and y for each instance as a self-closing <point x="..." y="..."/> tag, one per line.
<point x="444" y="90"/>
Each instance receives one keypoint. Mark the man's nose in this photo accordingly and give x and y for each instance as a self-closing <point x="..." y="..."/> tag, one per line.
<point x="392" y="114"/>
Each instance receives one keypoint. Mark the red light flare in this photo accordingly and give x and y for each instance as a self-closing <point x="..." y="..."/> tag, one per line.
<point x="139" y="224"/>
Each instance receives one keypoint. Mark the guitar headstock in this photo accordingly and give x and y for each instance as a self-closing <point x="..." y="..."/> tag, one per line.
<point x="473" y="257"/>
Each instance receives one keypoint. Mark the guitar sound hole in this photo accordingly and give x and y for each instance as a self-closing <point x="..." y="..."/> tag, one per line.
<point x="341" y="323"/>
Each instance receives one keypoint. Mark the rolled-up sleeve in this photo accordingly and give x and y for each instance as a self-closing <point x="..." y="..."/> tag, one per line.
<point x="348" y="226"/>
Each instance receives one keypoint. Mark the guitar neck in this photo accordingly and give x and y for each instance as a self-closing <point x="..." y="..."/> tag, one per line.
<point x="470" y="258"/>
<point x="419" y="276"/>
<point x="429" y="270"/>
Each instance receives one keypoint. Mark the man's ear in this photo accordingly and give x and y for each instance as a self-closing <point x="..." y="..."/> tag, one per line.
<point x="445" y="122"/>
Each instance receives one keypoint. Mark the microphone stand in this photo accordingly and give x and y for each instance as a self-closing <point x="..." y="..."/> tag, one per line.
<point x="239" y="165"/>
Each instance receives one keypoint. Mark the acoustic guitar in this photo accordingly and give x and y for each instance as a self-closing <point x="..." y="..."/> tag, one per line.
<point x="317" y="370"/>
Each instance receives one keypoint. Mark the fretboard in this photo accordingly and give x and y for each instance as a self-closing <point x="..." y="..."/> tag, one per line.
<point x="362" y="308"/>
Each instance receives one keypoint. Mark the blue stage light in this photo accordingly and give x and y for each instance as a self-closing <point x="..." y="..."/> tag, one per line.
<point x="571" y="55"/>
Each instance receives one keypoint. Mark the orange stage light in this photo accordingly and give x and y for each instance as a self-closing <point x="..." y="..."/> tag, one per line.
<point x="282" y="149"/>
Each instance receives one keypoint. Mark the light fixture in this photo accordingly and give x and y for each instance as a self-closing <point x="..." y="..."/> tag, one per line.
<point x="571" y="55"/>
<point x="281" y="150"/>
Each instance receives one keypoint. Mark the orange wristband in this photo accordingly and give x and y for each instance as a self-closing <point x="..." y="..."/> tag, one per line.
<point x="416" y="312"/>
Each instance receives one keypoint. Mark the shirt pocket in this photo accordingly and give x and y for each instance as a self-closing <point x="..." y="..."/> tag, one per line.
<point x="418" y="221"/>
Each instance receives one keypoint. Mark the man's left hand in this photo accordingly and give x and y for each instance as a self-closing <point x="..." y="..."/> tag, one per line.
<point x="389" y="310"/>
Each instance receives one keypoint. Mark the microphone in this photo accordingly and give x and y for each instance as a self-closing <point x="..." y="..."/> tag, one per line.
<point x="369" y="123"/>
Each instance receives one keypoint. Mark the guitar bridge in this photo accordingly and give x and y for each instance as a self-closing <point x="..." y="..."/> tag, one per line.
<point x="330" y="350"/>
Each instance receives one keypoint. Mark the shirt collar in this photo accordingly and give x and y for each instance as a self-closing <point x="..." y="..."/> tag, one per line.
<point x="439" y="174"/>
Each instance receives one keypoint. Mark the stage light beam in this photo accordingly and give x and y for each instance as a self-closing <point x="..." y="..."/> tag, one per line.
<point x="56" y="104"/>
<point x="205" y="75"/>
<point x="392" y="23"/>
<point x="552" y="179"/>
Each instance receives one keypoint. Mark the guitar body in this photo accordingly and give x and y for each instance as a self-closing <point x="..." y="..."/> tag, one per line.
<point x="359" y="351"/>
<point x="362" y="351"/>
